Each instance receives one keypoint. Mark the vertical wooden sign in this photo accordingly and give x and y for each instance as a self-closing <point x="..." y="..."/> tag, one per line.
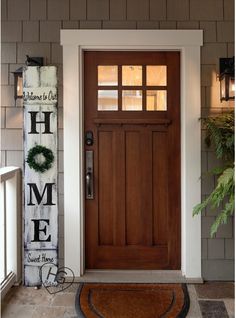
<point x="41" y="199"/>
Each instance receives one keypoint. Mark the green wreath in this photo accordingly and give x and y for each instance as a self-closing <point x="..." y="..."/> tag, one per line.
<point x="40" y="150"/>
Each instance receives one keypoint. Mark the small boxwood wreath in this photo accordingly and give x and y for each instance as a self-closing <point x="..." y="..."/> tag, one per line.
<point x="37" y="150"/>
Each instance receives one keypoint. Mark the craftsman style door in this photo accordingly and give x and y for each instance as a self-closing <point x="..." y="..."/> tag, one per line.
<point x="132" y="159"/>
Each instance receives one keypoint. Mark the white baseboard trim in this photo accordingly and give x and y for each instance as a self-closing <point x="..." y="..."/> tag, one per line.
<point x="8" y="282"/>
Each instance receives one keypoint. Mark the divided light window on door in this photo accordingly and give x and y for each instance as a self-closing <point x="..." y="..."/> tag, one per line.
<point x="132" y="87"/>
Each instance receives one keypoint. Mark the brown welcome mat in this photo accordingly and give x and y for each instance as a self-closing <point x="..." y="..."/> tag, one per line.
<point x="132" y="300"/>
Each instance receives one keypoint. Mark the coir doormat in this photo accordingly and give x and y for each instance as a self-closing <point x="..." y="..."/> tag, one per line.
<point x="132" y="300"/>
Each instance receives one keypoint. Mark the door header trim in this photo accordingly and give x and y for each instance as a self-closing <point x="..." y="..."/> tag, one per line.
<point x="132" y="37"/>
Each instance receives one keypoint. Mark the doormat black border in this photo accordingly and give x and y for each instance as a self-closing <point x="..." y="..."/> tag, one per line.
<point x="182" y="314"/>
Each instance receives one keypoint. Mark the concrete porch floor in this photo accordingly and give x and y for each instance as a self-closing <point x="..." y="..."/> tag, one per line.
<point x="208" y="300"/>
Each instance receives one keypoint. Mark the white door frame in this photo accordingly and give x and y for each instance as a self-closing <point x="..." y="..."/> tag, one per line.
<point x="188" y="42"/>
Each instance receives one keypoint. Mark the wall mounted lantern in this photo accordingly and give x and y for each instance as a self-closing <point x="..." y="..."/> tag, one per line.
<point x="18" y="75"/>
<point x="227" y="89"/>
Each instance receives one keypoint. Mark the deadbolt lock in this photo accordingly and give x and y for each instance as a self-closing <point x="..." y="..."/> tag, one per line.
<point x="89" y="138"/>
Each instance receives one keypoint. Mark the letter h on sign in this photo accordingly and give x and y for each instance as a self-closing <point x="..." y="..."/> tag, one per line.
<point x="46" y="122"/>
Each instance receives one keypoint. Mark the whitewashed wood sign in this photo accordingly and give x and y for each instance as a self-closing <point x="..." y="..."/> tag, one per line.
<point x="41" y="199"/>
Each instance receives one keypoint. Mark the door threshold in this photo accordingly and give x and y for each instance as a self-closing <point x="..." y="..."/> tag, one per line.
<point x="135" y="276"/>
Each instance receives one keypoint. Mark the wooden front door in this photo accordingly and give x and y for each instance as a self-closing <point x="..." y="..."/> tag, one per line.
<point x="132" y="138"/>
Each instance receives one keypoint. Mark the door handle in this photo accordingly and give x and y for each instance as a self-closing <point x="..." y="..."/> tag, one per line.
<point x="88" y="185"/>
<point x="89" y="175"/>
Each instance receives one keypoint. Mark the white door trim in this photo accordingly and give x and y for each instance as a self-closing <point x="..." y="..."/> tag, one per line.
<point x="188" y="42"/>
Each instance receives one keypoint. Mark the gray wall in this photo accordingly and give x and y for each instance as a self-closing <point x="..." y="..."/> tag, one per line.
<point x="32" y="27"/>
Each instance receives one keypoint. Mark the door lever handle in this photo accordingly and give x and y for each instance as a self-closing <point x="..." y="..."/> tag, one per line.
<point x="89" y="176"/>
<point x="88" y="184"/>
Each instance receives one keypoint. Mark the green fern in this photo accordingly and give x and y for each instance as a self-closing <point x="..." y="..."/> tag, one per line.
<point x="220" y="132"/>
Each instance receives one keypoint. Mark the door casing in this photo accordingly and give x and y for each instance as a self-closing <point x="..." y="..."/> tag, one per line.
<point x="188" y="42"/>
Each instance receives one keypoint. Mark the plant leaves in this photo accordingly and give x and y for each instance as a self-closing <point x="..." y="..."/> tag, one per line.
<point x="220" y="133"/>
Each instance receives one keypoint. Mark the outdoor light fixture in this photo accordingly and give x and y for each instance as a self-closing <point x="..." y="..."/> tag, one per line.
<point x="18" y="75"/>
<point x="227" y="89"/>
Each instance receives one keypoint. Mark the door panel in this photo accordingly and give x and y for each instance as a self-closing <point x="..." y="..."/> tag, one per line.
<point x="133" y="192"/>
<point x="133" y="222"/>
<point x="105" y="184"/>
<point x="160" y="188"/>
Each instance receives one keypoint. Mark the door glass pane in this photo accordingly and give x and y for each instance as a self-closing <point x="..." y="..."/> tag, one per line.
<point x="131" y="100"/>
<point x="107" y="75"/>
<point x="132" y="75"/>
<point x="156" y="75"/>
<point x="156" y="100"/>
<point x="107" y="100"/>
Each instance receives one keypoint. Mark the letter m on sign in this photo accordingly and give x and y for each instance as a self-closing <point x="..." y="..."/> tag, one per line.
<point x="33" y="189"/>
